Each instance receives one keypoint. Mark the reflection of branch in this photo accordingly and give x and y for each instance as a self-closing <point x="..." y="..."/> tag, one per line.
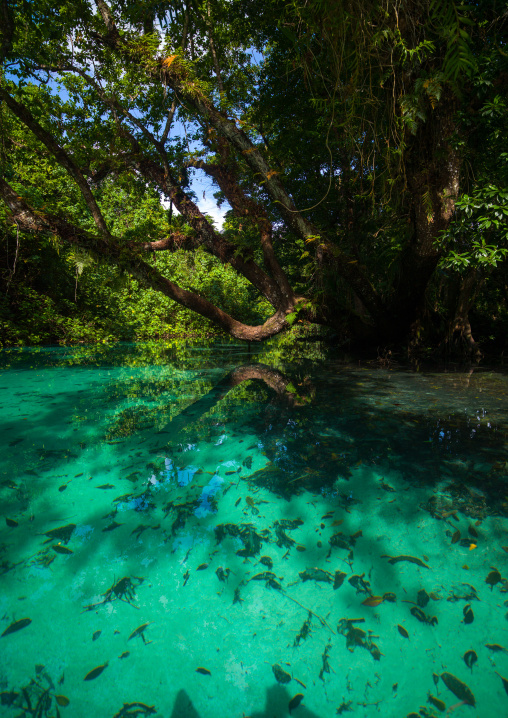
<point x="273" y="378"/>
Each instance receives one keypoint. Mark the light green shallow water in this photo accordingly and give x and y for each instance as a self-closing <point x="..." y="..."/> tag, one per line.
<point x="166" y="485"/>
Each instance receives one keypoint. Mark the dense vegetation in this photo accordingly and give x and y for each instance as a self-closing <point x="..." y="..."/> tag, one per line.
<point x="360" y="146"/>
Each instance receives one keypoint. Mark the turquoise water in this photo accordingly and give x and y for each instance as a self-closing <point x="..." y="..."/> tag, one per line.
<point x="193" y="533"/>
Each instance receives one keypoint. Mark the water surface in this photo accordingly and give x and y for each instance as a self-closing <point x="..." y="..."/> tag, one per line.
<point x="203" y="532"/>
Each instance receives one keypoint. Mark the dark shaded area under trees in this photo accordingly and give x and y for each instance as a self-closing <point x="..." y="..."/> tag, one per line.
<point x="360" y="146"/>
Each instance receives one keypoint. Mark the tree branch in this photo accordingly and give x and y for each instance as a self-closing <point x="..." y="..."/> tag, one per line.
<point x="179" y="79"/>
<point x="246" y="207"/>
<point x="113" y="35"/>
<point x="60" y="155"/>
<point x="112" y="251"/>
<point x="173" y="242"/>
<point x="164" y="179"/>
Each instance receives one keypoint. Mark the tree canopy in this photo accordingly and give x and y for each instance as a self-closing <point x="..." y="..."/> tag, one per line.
<point x="360" y="148"/>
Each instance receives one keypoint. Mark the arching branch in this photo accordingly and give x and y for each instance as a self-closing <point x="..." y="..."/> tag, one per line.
<point x="113" y="252"/>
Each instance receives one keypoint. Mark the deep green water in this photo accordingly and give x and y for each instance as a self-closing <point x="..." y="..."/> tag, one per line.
<point x="208" y="536"/>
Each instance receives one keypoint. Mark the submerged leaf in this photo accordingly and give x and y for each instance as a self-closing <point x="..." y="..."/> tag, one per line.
<point x="281" y="676"/>
<point x="470" y="658"/>
<point x="139" y="631"/>
<point x="16" y="626"/>
<point x="61" y="549"/>
<point x="436" y="702"/>
<point x="95" y="672"/>
<point x="403" y="632"/>
<point x="458" y="688"/>
<point x="295" y="701"/>
<point x="505" y="682"/>
<point x="373" y="601"/>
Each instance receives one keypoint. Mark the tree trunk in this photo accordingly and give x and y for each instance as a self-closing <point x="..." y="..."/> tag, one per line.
<point x="432" y="172"/>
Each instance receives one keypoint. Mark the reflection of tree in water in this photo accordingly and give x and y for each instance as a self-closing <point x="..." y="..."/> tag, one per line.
<point x="315" y="434"/>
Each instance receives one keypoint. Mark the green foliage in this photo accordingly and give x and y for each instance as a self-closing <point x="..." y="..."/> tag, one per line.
<point x="356" y="107"/>
<point x="479" y="236"/>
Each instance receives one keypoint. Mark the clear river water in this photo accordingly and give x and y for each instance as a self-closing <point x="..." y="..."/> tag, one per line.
<point x="200" y="532"/>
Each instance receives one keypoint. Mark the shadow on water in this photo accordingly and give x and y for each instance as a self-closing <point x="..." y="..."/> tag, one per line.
<point x="40" y="702"/>
<point x="277" y="704"/>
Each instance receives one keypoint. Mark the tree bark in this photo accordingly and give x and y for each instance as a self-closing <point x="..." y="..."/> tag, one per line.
<point x="432" y="170"/>
<point x="114" y="253"/>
